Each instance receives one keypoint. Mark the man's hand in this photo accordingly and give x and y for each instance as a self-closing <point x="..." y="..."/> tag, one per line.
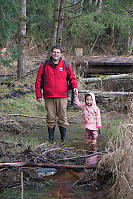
<point x="39" y="99"/>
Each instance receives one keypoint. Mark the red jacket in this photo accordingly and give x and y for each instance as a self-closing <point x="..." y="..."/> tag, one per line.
<point x="55" y="84"/>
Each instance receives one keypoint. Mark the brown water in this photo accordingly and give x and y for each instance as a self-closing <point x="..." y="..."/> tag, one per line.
<point x="59" y="185"/>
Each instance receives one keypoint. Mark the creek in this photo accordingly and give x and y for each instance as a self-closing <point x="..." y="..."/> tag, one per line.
<point x="58" y="185"/>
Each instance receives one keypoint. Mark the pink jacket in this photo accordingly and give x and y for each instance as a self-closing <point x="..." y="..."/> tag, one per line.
<point x="91" y="114"/>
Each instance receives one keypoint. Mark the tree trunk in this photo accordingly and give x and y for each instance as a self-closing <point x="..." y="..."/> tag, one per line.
<point x="130" y="41"/>
<point x="130" y="45"/>
<point x="22" y="41"/>
<point x="55" y="20"/>
<point x="100" y="4"/>
<point x="55" y="26"/>
<point x="60" y="22"/>
<point x="81" y="6"/>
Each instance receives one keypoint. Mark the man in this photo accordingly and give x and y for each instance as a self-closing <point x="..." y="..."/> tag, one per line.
<point x="55" y="91"/>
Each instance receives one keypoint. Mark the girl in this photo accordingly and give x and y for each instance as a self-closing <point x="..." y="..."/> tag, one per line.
<point x="91" y="117"/>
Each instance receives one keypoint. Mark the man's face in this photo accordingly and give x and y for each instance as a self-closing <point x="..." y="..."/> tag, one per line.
<point x="56" y="54"/>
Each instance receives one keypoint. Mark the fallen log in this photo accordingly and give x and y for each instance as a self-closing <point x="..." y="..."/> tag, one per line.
<point x="109" y="77"/>
<point x="106" y="93"/>
<point x="43" y="165"/>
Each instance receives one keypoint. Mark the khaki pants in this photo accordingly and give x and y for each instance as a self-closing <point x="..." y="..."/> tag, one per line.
<point x="56" y="108"/>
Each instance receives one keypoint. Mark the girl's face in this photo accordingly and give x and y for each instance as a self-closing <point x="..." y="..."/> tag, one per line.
<point x="88" y="101"/>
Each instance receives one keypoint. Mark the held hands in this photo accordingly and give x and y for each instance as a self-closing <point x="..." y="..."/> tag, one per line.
<point x="75" y="92"/>
<point x="39" y="99"/>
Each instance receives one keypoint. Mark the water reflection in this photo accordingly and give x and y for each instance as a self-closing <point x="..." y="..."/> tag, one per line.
<point x="91" y="148"/>
<point x="62" y="188"/>
<point x="59" y="187"/>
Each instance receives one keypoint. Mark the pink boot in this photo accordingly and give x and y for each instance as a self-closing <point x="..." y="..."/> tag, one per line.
<point x="87" y="136"/>
<point x="95" y="135"/>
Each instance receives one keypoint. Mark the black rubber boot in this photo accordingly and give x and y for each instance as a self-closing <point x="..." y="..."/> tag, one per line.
<point x="51" y="133"/>
<point x="62" y="133"/>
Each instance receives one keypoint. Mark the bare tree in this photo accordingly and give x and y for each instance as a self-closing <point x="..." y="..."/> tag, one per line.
<point x="55" y="20"/>
<point x="22" y="41"/>
<point x="55" y="25"/>
<point x="130" y="41"/>
<point x="81" y="6"/>
<point x="60" y="22"/>
<point x="99" y="3"/>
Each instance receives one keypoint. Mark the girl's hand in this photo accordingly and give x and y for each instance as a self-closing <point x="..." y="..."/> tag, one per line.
<point x="39" y="99"/>
<point x="75" y="92"/>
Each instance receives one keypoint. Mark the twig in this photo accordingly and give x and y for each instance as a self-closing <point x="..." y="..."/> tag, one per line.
<point x="127" y="183"/>
<point x="78" y="181"/>
<point x="93" y="154"/>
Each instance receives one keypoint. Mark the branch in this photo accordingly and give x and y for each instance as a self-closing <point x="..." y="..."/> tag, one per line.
<point x="84" y="156"/>
<point x="72" y="5"/>
<point x="78" y="181"/>
<point x="128" y="11"/>
<point x="94" y="14"/>
<point x="43" y="165"/>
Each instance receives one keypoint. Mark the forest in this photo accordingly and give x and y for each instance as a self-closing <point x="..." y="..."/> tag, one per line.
<point x="98" y="27"/>
<point x="97" y="40"/>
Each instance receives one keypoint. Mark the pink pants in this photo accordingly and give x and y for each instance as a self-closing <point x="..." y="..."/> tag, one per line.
<point x="90" y="135"/>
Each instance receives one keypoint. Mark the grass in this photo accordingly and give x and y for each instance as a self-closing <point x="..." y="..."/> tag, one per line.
<point x="111" y="126"/>
<point x="26" y="105"/>
<point x="120" y="162"/>
<point x="24" y="139"/>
